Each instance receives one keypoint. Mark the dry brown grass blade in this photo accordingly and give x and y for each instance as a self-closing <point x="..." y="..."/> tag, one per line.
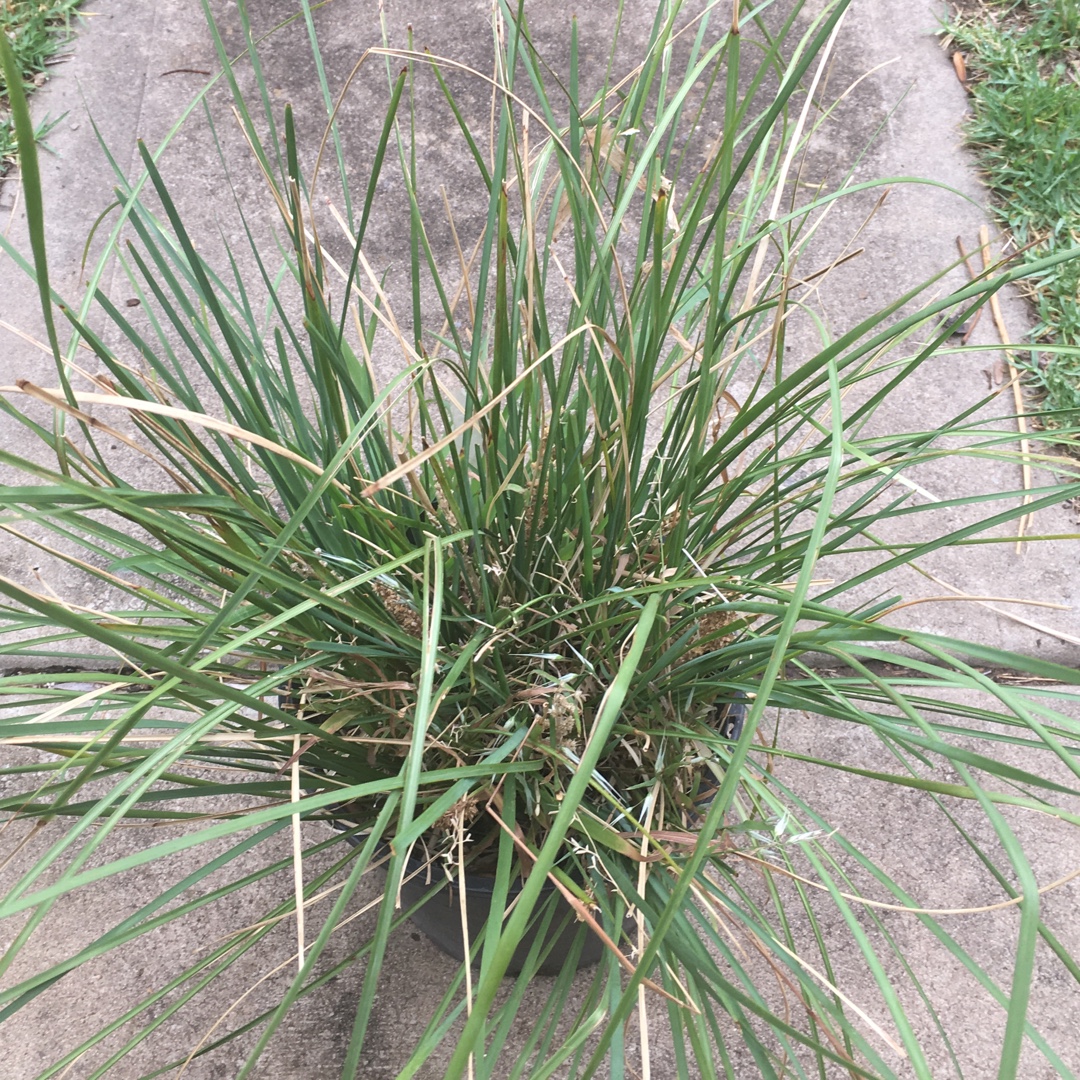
<point x="41" y="346"/>
<point x="362" y="911"/>
<point x="556" y="138"/>
<point x="23" y="843"/>
<point x="463" y="911"/>
<point x="113" y="433"/>
<point x="1018" y="397"/>
<point x="380" y="308"/>
<point x="67" y="557"/>
<point x="789" y="157"/>
<point x="51" y="396"/>
<point x="465" y="264"/>
<point x="282" y="206"/>
<point x="297" y="855"/>
<point x="787" y="984"/>
<point x="959" y="593"/>
<point x="972" y="599"/>
<point x="973" y="274"/>
<point x="50" y="596"/>
<point x="866" y="1018"/>
<point x="882" y="905"/>
<point x="586" y="917"/>
<point x="643" y="1002"/>
<point x="417" y="460"/>
<point x="431" y="60"/>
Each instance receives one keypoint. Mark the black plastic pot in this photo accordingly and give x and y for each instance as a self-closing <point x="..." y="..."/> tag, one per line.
<point x="730" y="716"/>
<point x="440" y="916"/>
<point x="440" y="920"/>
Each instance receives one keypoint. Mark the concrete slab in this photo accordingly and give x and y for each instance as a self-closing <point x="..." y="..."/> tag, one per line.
<point x="126" y="74"/>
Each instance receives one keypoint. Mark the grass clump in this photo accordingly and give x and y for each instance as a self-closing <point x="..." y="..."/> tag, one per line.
<point x="37" y="30"/>
<point x="1023" y="59"/>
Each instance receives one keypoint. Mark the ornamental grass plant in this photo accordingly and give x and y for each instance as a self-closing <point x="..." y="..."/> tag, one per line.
<point x="472" y="560"/>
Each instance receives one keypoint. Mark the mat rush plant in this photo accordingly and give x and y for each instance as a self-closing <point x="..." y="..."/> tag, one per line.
<point x="494" y="613"/>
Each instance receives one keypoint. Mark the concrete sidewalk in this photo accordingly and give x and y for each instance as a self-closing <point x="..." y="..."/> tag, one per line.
<point x="134" y="67"/>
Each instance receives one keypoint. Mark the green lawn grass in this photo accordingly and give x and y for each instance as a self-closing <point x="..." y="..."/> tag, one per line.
<point x="37" y="29"/>
<point x="1023" y="72"/>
